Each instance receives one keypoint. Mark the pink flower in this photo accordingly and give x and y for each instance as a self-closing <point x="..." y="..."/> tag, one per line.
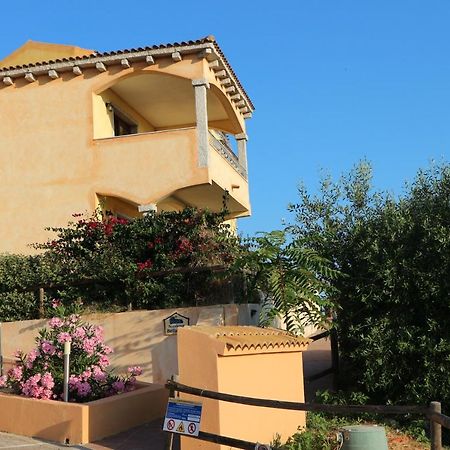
<point x="16" y="373"/>
<point x="38" y="386"/>
<point x="118" y="386"/>
<point x="64" y="337"/>
<point x="98" y="332"/>
<point x="98" y="374"/>
<point x="84" y="389"/>
<point x="135" y="371"/>
<point x="31" y="357"/>
<point x="74" y="318"/>
<point x="46" y="394"/>
<point x="103" y="361"/>
<point x="35" y="373"/>
<point x="55" y="322"/>
<point x="47" y="381"/>
<point x="86" y="374"/>
<point x="107" y="350"/>
<point x="73" y="381"/>
<point x="56" y="303"/>
<point x="3" y="380"/>
<point x="79" y="333"/>
<point x="89" y="346"/>
<point x="48" y="348"/>
<point x="30" y="387"/>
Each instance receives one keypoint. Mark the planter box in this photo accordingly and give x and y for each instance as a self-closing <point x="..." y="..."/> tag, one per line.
<point x="72" y="423"/>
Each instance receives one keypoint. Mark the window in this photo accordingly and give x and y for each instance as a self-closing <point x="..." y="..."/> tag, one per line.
<point x="123" y="125"/>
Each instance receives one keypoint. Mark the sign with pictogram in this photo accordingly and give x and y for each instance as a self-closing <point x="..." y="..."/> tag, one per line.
<point x="173" y="322"/>
<point x="183" y="417"/>
<point x="262" y="447"/>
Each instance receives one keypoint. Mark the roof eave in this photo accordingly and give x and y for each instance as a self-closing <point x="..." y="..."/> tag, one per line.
<point x="133" y="55"/>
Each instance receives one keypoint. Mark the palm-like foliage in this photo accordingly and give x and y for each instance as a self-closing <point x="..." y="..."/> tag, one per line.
<point x="292" y="280"/>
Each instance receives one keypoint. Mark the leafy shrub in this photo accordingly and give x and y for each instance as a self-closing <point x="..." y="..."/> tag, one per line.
<point x="321" y="433"/>
<point x="18" y="272"/>
<point x="111" y="262"/>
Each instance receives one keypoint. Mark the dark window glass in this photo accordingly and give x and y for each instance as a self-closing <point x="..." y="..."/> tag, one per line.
<point x="123" y="126"/>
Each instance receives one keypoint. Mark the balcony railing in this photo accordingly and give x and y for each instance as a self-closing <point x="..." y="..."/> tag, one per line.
<point x="225" y="150"/>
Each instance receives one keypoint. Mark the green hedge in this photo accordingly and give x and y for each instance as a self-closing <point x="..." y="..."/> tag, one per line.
<point x="18" y="272"/>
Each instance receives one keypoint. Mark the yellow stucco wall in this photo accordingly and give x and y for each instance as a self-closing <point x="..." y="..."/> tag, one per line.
<point x="244" y="361"/>
<point x="53" y="162"/>
<point x="137" y="337"/>
<point x="32" y="52"/>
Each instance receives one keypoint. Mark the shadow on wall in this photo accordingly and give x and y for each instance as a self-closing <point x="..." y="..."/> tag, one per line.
<point x="137" y="337"/>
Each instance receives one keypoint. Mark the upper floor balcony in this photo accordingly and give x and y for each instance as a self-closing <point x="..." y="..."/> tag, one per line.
<point x="164" y="136"/>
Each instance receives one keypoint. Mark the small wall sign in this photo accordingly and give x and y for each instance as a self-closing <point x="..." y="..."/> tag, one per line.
<point x="173" y="322"/>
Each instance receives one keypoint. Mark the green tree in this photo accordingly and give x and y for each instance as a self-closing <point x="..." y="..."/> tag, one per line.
<point x="394" y="303"/>
<point x="292" y="281"/>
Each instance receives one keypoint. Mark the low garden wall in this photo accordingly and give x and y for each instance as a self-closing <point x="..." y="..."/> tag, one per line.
<point x="137" y="337"/>
<point x="80" y="423"/>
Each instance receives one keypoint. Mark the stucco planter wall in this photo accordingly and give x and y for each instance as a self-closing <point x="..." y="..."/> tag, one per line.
<point x="73" y="423"/>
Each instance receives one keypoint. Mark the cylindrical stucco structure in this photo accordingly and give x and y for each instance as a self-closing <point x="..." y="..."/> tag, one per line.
<point x="247" y="361"/>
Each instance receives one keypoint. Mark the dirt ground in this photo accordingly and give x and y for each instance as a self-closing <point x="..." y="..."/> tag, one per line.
<point x="399" y="441"/>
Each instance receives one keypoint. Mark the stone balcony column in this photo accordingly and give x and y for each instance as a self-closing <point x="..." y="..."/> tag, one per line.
<point x="201" y="114"/>
<point x="241" y="140"/>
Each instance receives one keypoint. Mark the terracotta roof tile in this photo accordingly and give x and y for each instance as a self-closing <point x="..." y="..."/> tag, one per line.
<point x="208" y="39"/>
<point x="253" y="338"/>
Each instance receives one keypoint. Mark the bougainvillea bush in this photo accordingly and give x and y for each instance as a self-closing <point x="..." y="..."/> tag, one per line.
<point x="39" y="373"/>
<point x="123" y="256"/>
<point x="110" y="263"/>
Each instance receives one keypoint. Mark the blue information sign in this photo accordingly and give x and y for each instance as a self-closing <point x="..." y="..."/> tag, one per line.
<point x="183" y="417"/>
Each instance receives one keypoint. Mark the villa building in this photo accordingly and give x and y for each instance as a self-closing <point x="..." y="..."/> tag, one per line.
<point x="160" y="127"/>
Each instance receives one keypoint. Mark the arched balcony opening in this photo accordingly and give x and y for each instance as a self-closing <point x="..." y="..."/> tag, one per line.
<point x="149" y="102"/>
<point x="118" y="207"/>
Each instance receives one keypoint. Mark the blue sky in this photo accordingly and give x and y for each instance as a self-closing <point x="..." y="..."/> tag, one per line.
<point x="332" y="81"/>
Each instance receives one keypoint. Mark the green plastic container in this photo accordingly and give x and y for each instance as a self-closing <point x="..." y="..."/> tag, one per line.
<point x="364" y="437"/>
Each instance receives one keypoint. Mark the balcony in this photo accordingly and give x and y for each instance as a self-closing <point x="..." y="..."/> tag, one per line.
<point x="221" y="144"/>
<point x="150" y="167"/>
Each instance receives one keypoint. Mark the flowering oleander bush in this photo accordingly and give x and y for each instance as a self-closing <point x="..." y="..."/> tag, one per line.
<point x="39" y="373"/>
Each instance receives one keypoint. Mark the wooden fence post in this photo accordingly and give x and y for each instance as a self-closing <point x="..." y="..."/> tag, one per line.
<point x="41" y="303"/>
<point x="435" y="428"/>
